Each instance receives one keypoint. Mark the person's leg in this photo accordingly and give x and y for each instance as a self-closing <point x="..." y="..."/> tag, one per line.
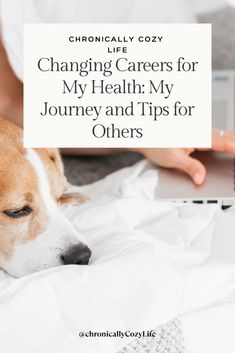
<point x="92" y="151"/>
<point x="11" y="91"/>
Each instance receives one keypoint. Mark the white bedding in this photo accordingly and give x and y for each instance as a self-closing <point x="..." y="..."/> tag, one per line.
<point x="210" y="330"/>
<point x="151" y="261"/>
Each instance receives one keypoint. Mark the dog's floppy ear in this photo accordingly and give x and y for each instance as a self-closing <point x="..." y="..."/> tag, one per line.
<point x="72" y="198"/>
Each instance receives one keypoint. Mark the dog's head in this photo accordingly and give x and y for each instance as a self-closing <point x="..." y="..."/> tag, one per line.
<point x="34" y="233"/>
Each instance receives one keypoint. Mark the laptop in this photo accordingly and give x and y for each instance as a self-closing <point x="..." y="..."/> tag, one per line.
<point x="219" y="186"/>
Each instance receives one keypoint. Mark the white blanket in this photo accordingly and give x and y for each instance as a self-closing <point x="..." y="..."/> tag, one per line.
<point x="211" y="328"/>
<point x="151" y="261"/>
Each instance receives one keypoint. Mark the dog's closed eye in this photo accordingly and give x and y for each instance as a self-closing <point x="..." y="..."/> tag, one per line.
<point x="72" y="198"/>
<point x="26" y="210"/>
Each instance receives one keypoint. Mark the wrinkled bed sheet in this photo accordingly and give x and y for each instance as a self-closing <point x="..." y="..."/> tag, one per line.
<point x="151" y="262"/>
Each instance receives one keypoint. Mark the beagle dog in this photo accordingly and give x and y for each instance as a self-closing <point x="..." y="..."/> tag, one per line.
<point x="34" y="232"/>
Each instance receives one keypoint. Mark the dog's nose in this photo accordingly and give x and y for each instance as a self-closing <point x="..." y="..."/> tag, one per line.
<point x="77" y="255"/>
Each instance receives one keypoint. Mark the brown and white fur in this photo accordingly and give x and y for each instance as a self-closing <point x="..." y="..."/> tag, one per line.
<point x="34" y="233"/>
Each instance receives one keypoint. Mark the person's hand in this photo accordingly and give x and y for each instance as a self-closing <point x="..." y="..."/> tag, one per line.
<point x="179" y="158"/>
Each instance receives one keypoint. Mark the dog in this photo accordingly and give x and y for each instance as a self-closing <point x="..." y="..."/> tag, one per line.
<point x="34" y="232"/>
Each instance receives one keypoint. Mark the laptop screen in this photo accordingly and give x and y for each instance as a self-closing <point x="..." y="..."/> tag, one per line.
<point x="223" y="88"/>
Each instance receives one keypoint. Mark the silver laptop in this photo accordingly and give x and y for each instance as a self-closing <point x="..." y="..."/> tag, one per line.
<point x="219" y="186"/>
